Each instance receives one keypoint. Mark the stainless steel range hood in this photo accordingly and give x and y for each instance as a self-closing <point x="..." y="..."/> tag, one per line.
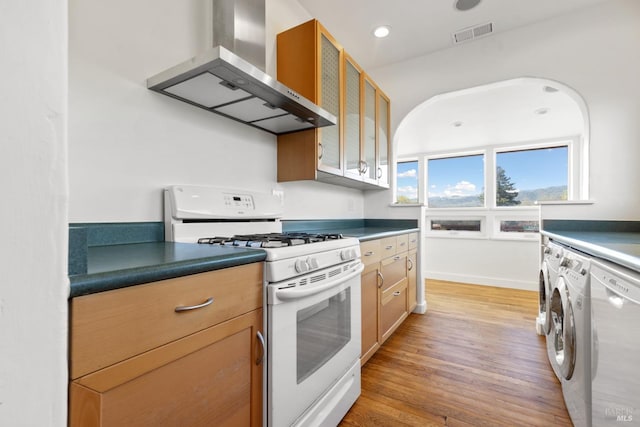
<point x="227" y="79"/>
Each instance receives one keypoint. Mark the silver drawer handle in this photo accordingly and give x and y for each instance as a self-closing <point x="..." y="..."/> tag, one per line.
<point x="396" y="294"/>
<point x="209" y="301"/>
<point x="261" y="339"/>
<point x="368" y="253"/>
<point x="389" y="247"/>
<point x="396" y="258"/>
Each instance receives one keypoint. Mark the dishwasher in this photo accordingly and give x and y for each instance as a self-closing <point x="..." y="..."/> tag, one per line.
<point x="615" y="321"/>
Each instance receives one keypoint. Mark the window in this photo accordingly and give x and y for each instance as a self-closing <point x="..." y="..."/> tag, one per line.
<point x="456" y="225"/>
<point x="493" y="192"/>
<point x="456" y="182"/>
<point x="524" y="177"/>
<point x="407" y="182"/>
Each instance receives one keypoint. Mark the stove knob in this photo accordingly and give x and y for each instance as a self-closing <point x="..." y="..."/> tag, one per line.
<point x="313" y="263"/>
<point x="301" y="266"/>
<point x="348" y="254"/>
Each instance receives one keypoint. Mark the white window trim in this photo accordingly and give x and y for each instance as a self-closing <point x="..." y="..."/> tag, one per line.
<point x="490" y="215"/>
<point x="573" y="169"/>
<point x="480" y="152"/>
<point x="459" y="234"/>
<point x="420" y="182"/>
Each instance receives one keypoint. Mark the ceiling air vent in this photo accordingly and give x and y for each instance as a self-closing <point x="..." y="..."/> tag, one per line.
<point x="472" y="33"/>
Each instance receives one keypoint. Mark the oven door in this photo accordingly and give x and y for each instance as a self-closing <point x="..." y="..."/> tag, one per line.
<point x="313" y="341"/>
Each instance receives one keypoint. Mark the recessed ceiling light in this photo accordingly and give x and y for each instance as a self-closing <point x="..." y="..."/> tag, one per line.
<point x="463" y="5"/>
<point x="382" y="31"/>
<point x="542" y="111"/>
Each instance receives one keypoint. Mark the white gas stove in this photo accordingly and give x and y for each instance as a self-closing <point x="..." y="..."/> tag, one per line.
<point x="312" y="293"/>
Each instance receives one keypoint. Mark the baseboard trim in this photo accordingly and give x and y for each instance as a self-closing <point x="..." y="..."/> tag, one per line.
<point x="486" y="281"/>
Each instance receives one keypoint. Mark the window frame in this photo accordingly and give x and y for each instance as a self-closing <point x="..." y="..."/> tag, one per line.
<point x="490" y="214"/>
<point x="572" y="178"/>
<point x="419" y="181"/>
<point x="467" y="153"/>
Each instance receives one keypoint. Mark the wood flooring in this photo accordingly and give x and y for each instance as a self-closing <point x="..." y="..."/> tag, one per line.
<point x="474" y="359"/>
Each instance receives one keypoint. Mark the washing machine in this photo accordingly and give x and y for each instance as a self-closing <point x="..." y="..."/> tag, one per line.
<point x="615" y="320"/>
<point x="551" y="256"/>
<point x="570" y="335"/>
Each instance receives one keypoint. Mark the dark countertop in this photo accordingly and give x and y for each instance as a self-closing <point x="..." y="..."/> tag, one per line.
<point x="620" y="247"/>
<point x="119" y="266"/>
<point x="372" y="233"/>
<point x="112" y="266"/>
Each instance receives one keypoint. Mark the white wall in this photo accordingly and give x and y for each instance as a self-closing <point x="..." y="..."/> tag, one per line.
<point x="126" y="142"/>
<point x="33" y="170"/>
<point x="595" y="52"/>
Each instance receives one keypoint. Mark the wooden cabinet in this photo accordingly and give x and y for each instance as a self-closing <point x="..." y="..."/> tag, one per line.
<point x="386" y="288"/>
<point x="354" y="152"/>
<point x="371" y="275"/>
<point x="135" y="360"/>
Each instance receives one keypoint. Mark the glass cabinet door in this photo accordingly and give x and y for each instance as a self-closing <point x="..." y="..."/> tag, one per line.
<point x="382" y="170"/>
<point x="351" y="122"/>
<point x="329" y="141"/>
<point x="369" y="143"/>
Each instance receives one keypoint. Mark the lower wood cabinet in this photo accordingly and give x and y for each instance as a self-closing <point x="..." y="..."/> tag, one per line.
<point x="211" y="376"/>
<point x="388" y="288"/>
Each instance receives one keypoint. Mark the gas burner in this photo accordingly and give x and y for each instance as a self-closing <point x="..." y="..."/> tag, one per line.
<point x="270" y="240"/>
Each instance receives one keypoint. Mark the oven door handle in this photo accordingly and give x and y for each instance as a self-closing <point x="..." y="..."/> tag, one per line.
<point x="304" y="291"/>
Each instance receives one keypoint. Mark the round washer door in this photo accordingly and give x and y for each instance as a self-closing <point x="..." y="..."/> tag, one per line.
<point x="543" y="299"/>
<point x="563" y="329"/>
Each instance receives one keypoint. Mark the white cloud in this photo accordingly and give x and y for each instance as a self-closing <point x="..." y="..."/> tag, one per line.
<point x="409" y="191"/>
<point x="461" y="189"/>
<point x="411" y="173"/>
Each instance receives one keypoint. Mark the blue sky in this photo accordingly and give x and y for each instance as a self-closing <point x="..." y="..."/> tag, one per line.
<point x="464" y="176"/>
<point x="408" y="180"/>
<point x="534" y="169"/>
<point x="456" y="176"/>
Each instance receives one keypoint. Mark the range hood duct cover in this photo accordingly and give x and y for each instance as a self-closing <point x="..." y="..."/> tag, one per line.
<point x="229" y="79"/>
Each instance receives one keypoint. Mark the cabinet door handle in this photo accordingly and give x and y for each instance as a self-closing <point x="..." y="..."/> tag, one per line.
<point x="379" y="173"/>
<point x="321" y="150"/>
<point x="381" y="279"/>
<point x="410" y="264"/>
<point x="368" y="253"/>
<point x="260" y="359"/>
<point x="182" y="308"/>
<point x="396" y="294"/>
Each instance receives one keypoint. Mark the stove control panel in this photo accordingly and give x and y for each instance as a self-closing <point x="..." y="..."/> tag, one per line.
<point x="240" y="201"/>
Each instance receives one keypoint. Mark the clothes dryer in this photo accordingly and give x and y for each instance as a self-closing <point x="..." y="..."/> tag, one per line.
<point x="551" y="255"/>
<point x="570" y="335"/>
<point x="615" y="383"/>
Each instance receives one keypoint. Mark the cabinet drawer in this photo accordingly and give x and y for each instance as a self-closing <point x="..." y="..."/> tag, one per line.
<point x="393" y="270"/>
<point x="112" y="326"/>
<point x="393" y="308"/>
<point x="370" y="252"/>
<point x="402" y="243"/>
<point x="388" y="246"/>
<point x="413" y="240"/>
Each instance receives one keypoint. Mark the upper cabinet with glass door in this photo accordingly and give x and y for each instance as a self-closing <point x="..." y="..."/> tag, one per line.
<point x="311" y="62"/>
